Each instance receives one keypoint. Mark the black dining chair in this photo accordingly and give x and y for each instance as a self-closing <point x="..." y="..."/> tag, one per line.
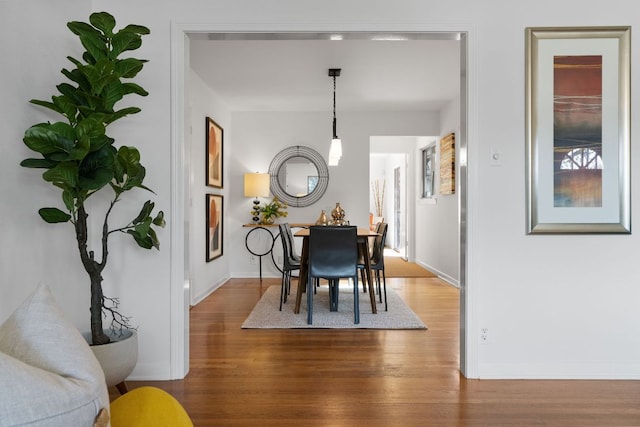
<point x="292" y="245"/>
<point x="377" y="262"/>
<point x="333" y="255"/>
<point x="289" y="264"/>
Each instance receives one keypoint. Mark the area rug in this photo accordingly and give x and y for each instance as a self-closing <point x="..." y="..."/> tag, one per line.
<point x="265" y="314"/>
<point x="397" y="267"/>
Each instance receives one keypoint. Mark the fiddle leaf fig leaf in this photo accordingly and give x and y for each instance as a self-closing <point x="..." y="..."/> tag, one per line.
<point x="121" y="113"/>
<point x="46" y="104"/>
<point x="124" y="40"/>
<point x="69" y="200"/>
<point x="129" y="68"/>
<point x="54" y="215"/>
<point x="112" y="93"/>
<point x="134" y="88"/>
<point x="142" y="241"/>
<point x="154" y="238"/>
<point x="138" y="29"/>
<point x="144" y="212"/>
<point x="64" y="173"/>
<point x="38" y="163"/>
<point x="103" y="21"/>
<point x="159" y="220"/>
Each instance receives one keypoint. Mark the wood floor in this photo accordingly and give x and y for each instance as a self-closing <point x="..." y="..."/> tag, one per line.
<point x="340" y="378"/>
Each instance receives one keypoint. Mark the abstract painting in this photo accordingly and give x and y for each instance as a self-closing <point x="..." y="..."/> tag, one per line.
<point x="578" y="130"/>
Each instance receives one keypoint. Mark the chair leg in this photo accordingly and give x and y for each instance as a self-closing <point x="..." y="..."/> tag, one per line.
<point x="287" y="286"/>
<point x="378" y="284"/>
<point x="333" y="295"/>
<point x="282" y="289"/>
<point x="364" y="281"/>
<point x="356" y="304"/>
<point x="310" y="299"/>
<point x="384" y="285"/>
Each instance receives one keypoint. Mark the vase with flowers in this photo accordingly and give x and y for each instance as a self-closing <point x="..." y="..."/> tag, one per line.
<point x="269" y="212"/>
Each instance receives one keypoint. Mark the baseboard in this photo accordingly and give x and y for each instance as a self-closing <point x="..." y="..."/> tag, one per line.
<point x="151" y="372"/>
<point x="450" y="280"/>
<point x="196" y="299"/>
<point x="563" y="371"/>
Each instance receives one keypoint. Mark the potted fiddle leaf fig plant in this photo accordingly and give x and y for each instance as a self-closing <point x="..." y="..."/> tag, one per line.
<point x="81" y="160"/>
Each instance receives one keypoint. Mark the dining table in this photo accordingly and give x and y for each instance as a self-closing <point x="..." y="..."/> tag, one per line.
<point x="364" y="234"/>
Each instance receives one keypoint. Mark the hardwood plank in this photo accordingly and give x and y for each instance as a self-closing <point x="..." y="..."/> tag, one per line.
<point x="368" y="377"/>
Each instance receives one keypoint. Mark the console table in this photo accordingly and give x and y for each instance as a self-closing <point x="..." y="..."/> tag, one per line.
<point x="260" y="240"/>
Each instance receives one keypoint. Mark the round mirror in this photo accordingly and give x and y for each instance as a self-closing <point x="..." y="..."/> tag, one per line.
<point x="299" y="176"/>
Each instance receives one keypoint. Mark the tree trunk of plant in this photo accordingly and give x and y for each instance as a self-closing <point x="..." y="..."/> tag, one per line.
<point x="97" y="332"/>
<point x="94" y="269"/>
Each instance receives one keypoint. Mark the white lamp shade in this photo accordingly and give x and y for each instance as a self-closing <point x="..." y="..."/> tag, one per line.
<point x="335" y="152"/>
<point x="256" y="185"/>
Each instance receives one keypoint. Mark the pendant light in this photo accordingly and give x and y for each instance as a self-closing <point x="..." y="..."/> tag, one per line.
<point x="335" y="151"/>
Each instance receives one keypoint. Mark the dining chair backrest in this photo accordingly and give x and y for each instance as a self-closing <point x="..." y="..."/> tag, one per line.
<point x="288" y="261"/>
<point x="292" y="243"/>
<point x="377" y="256"/>
<point x="333" y="251"/>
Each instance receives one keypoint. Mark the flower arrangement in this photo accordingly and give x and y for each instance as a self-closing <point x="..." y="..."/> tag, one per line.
<point x="270" y="211"/>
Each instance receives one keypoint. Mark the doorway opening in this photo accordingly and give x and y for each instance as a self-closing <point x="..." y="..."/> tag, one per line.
<point x="180" y="258"/>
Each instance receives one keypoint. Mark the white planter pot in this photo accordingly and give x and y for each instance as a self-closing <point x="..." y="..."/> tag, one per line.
<point x="119" y="357"/>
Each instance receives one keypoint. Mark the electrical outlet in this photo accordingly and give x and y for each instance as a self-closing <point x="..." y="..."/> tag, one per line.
<point x="484" y="335"/>
<point x="253" y="260"/>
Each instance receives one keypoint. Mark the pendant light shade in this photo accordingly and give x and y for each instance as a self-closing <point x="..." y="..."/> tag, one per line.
<point x="335" y="151"/>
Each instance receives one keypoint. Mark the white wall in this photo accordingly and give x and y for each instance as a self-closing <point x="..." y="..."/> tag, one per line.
<point x="437" y="218"/>
<point x="202" y="103"/>
<point x="544" y="318"/>
<point x="259" y="136"/>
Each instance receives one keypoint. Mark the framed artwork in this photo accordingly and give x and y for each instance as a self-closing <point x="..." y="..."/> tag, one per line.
<point x="215" y="139"/>
<point x="448" y="164"/>
<point x="428" y="171"/>
<point x="214" y="226"/>
<point x="578" y="130"/>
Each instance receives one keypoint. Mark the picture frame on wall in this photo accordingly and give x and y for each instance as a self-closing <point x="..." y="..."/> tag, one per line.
<point x="428" y="171"/>
<point x="214" y="154"/>
<point x="214" y="226"/>
<point x="578" y="130"/>
<point x="448" y="164"/>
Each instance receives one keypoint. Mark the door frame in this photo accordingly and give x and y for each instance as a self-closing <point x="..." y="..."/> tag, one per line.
<point x="180" y="287"/>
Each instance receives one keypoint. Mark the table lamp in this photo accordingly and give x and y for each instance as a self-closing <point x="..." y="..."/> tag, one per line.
<point x="256" y="185"/>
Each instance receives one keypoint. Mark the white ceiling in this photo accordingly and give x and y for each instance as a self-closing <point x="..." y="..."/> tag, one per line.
<point x="269" y="73"/>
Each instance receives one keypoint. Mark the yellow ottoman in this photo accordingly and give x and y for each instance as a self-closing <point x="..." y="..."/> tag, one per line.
<point x="148" y="406"/>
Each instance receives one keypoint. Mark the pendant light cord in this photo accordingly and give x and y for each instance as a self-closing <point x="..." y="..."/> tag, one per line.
<point x="335" y="133"/>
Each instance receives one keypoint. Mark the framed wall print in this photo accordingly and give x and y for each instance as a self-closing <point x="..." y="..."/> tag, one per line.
<point x="448" y="164"/>
<point x="428" y="171"/>
<point x="578" y="130"/>
<point x="214" y="226"/>
<point x="215" y="139"/>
